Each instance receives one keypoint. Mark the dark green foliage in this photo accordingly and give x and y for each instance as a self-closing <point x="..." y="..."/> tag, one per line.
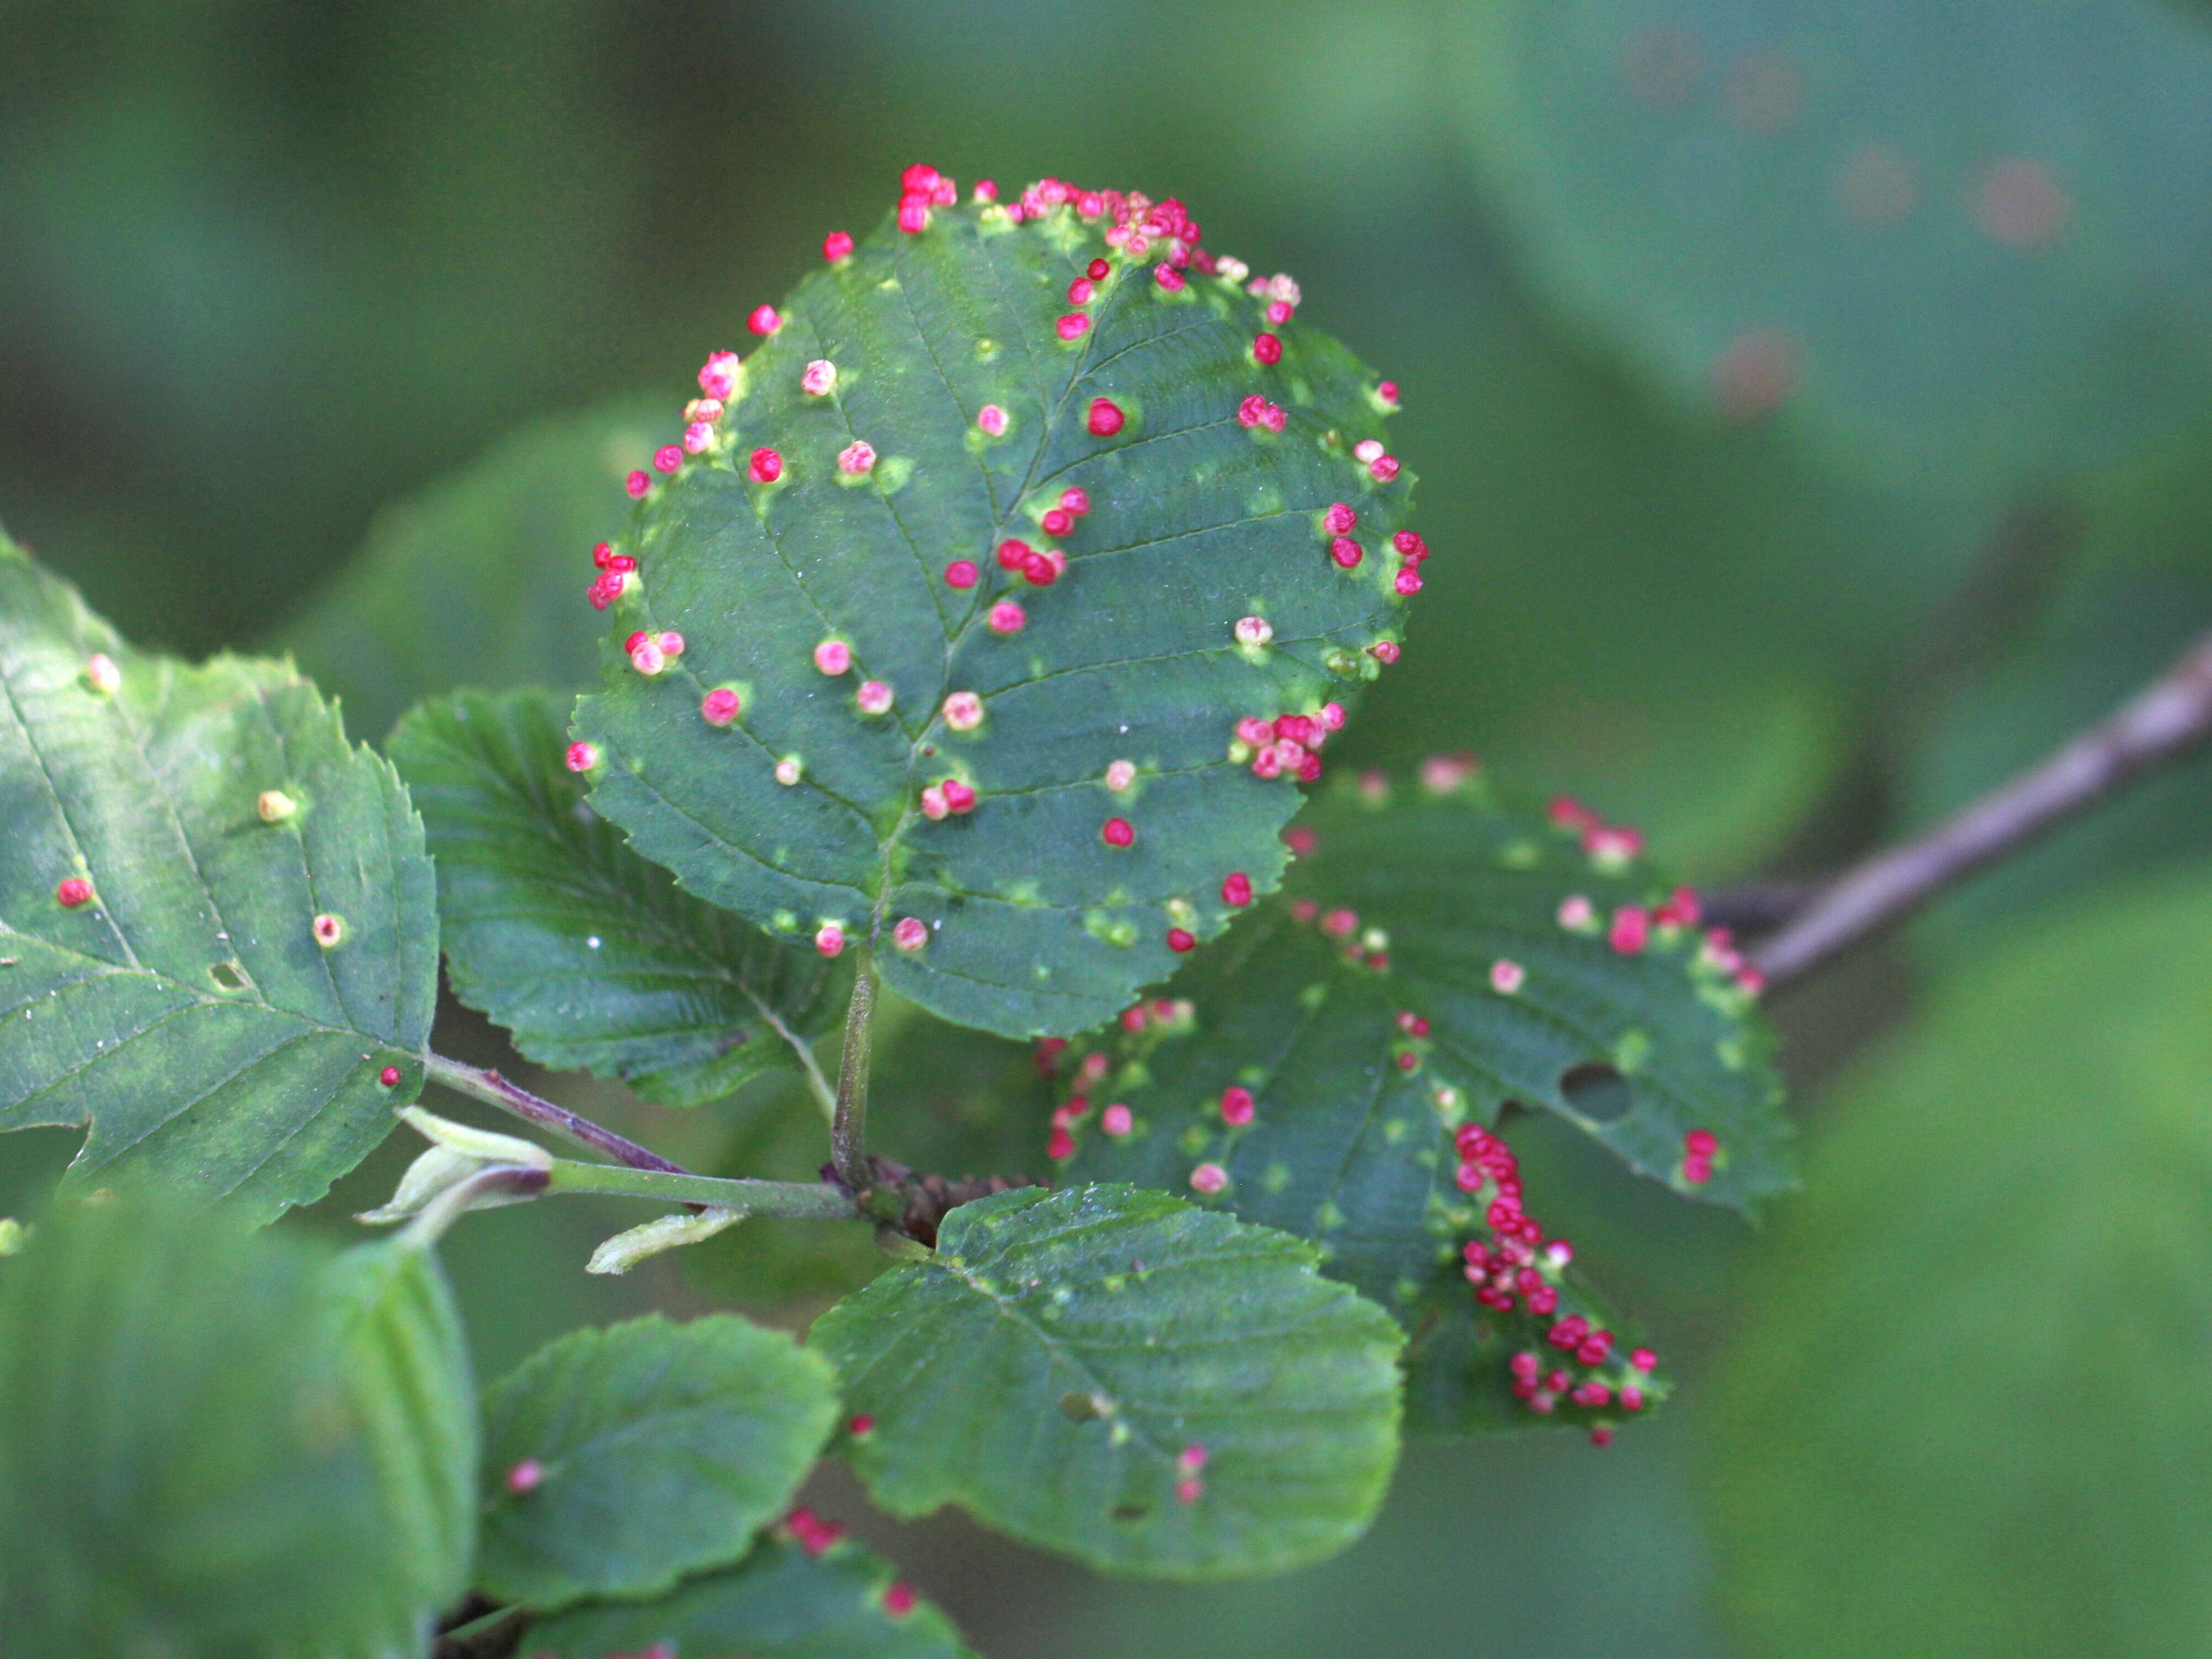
<point x="1117" y="1376"/>
<point x="184" y="1011"/>
<point x="1195" y="522"/>
<point x="649" y="1451"/>
<point x="594" y="959"/>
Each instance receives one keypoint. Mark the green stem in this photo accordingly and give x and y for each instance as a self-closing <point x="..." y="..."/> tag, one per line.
<point x="849" y="1122"/>
<point x="796" y="1199"/>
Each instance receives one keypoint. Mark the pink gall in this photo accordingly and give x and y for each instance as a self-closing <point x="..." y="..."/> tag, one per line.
<point x="1006" y="617"/>
<point x="718" y="376"/>
<point x="911" y="934"/>
<point x="389" y="1077"/>
<point x="1237" y="889"/>
<point x="1237" y="1107"/>
<point x="1105" y="417"/>
<point x="833" y="656"/>
<point x="72" y="892"/>
<point x="765" y="467"/>
<point x="830" y="939"/>
<point x="818" y="379"/>
<point x="1116" y="1121"/>
<point x="1267" y="348"/>
<point x="720" y="707"/>
<point x="857" y="458"/>
<point x="764" y="320"/>
<point x="1208" y="1178"/>
<point x="875" y="697"/>
<point x="963" y="711"/>
<point x="961" y="573"/>
<point x="836" y="246"/>
<point x="583" y="756"/>
<point x="102" y="675"/>
<point x="1117" y="832"/>
<point x="1340" y="519"/>
<point x="991" y="420"/>
<point x="525" y="1477"/>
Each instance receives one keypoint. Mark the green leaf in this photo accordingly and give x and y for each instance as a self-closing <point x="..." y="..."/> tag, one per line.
<point x="1422" y="905"/>
<point x="1962" y="239"/>
<point x="400" y="1349"/>
<point x="594" y="959"/>
<point x="1287" y="1073"/>
<point x="782" y="1603"/>
<point x="478" y="580"/>
<point x="1968" y="1414"/>
<point x="1029" y="920"/>
<point x="185" y="1011"/>
<point x="190" y="1464"/>
<point x="620" y="1460"/>
<point x="1117" y="1376"/>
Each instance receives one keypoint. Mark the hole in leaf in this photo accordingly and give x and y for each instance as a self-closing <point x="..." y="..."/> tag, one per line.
<point x="1130" y="1512"/>
<point x="1598" y="1092"/>
<point x="229" y="975"/>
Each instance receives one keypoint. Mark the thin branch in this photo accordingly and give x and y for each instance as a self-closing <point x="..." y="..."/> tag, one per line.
<point x="817" y="1200"/>
<point x="2162" y="722"/>
<point x="496" y="1090"/>
<point x="849" y="1122"/>
<point x="1757" y="906"/>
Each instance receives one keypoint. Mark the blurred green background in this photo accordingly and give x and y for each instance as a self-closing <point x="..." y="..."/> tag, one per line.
<point x="1813" y="404"/>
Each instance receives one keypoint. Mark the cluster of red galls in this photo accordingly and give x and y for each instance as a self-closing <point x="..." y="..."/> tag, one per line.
<point x="1515" y="1269"/>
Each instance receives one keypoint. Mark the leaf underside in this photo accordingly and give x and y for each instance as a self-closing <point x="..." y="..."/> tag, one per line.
<point x="1065" y="1362"/>
<point x="186" y="1013"/>
<point x="660" y="1450"/>
<point x="590" y="956"/>
<point x="1034" y="924"/>
<point x="780" y="1603"/>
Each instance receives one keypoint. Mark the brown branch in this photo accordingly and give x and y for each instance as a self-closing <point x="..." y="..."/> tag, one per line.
<point x="2160" y="723"/>
<point x="496" y="1090"/>
<point x="916" y="1205"/>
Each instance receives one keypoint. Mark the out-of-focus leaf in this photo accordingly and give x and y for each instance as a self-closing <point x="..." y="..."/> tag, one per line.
<point x="1963" y="240"/>
<point x="783" y="1603"/>
<point x="480" y="580"/>
<point x="218" y="927"/>
<point x="619" y="1460"/>
<point x="1114" y="1374"/>
<point x="215" y="1442"/>
<point x="592" y="957"/>
<point x="403" y="1358"/>
<point x="1970" y="1414"/>
<point x="787" y="764"/>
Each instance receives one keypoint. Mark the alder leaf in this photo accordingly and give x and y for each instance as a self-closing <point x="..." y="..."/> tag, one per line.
<point x="1271" y="1084"/>
<point x="1434" y="947"/>
<point x="791" y="763"/>
<point x="1114" y="1374"/>
<point x="217" y="1441"/>
<point x="785" y="1601"/>
<point x="619" y="1460"/>
<point x="218" y="925"/>
<point x="592" y="957"/>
